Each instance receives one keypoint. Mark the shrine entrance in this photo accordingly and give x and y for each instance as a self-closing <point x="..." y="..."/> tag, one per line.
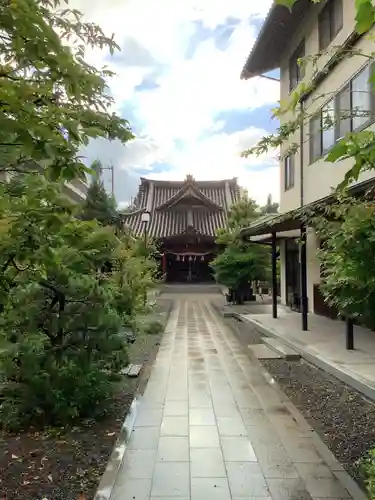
<point x="187" y="257"/>
<point x="184" y="268"/>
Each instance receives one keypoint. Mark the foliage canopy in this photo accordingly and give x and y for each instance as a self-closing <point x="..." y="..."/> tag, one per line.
<point x="240" y="262"/>
<point x="62" y="310"/>
<point x="52" y="101"/>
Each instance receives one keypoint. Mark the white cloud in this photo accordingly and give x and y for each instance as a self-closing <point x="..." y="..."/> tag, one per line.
<point x="178" y="119"/>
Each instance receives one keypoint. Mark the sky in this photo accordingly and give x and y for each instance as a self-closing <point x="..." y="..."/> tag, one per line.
<point x="178" y="84"/>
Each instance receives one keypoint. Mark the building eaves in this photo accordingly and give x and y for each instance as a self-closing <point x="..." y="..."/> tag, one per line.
<point x="279" y="27"/>
<point x="292" y="220"/>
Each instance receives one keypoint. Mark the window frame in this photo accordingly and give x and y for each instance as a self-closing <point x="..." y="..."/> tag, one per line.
<point x="296" y="72"/>
<point x="327" y="19"/>
<point x="331" y="103"/>
<point x="347" y="90"/>
<point x="289" y="172"/>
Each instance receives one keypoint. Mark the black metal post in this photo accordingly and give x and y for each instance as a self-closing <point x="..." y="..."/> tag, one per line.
<point x="303" y="269"/>
<point x="145" y="242"/>
<point x="274" y="276"/>
<point x="145" y="239"/>
<point x="349" y="334"/>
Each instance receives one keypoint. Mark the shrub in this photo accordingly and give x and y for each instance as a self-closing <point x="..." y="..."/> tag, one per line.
<point x="61" y="315"/>
<point x="366" y="467"/>
<point x="154" y="327"/>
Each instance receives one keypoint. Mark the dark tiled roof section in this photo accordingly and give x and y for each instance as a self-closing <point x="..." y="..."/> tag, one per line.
<point x="171" y="222"/>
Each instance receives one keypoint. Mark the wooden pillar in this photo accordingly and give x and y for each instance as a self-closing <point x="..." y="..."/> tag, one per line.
<point x="274" y="276"/>
<point x="303" y="270"/>
<point x="349" y="334"/>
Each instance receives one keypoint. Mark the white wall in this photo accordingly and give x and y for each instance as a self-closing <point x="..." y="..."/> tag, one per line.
<point x="320" y="177"/>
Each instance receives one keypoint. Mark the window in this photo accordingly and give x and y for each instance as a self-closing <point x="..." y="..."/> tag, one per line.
<point x="361" y="98"/>
<point x="296" y="71"/>
<point x="328" y="126"/>
<point x="315" y="137"/>
<point x="330" y="22"/>
<point x="288" y="172"/>
<point x="351" y="109"/>
<point x="343" y="112"/>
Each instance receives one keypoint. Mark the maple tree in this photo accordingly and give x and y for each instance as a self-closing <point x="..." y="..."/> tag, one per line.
<point x="52" y="100"/>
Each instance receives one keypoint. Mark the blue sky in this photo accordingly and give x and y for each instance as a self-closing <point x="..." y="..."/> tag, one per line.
<point x="178" y="83"/>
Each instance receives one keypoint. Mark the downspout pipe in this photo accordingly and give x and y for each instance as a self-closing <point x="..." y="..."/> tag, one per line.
<point x="303" y="256"/>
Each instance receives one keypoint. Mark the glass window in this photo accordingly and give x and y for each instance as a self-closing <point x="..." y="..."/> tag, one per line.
<point x="296" y="71"/>
<point x="343" y="110"/>
<point x="289" y="172"/>
<point x="361" y="98"/>
<point x="315" y="137"/>
<point x="330" y="22"/>
<point x="328" y="126"/>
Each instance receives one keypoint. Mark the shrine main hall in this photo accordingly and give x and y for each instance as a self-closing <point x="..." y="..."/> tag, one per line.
<point x="183" y="218"/>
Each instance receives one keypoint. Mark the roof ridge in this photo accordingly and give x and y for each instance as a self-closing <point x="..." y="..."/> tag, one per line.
<point x="172" y="200"/>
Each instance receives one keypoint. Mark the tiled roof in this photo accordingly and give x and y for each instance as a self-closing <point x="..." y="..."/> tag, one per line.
<point x="176" y="206"/>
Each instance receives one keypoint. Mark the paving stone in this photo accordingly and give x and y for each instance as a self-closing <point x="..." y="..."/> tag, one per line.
<point x="148" y="418"/>
<point x="206" y="462"/>
<point x="231" y="426"/>
<point x="246" y="480"/>
<point x="210" y="489"/>
<point x="144" y="438"/>
<point x="138" y="489"/>
<point x="201" y="416"/>
<point x="176" y="409"/>
<point x="171" y="479"/>
<point x="137" y="464"/>
<point x="203" y="436"/>
<point x="211" y="426"/>
<point x="174" y="426"/>
<point x="288" y="489"/>
<point x="238" y="449"/>
<point x="173" y="449"/>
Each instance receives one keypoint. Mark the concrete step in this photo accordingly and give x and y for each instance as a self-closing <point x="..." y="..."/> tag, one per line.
<point x="281" y="349"/>
<point x="261" y="351"/>
<point x="205" y="288"/>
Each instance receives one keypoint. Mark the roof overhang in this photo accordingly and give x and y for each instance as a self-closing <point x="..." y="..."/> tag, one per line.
<point x="279" y="27"/>
<point x="283" y="224"/>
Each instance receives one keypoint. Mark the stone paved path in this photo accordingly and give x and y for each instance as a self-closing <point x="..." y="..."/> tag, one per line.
<point x="212" y="426"/>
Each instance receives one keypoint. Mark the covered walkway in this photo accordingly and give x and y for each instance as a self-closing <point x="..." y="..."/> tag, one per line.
<point x="212" y="425"/>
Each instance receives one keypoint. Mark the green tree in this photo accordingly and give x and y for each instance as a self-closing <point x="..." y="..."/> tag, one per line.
<point x="62" y="316"/>
<point x="98" y="204"/>
<point x="52" y="101"/>
<point x="270" y="207"/>
<point x="347" y="252"/>
<point x="239" y="262"/>
<point x="241" y="214"/>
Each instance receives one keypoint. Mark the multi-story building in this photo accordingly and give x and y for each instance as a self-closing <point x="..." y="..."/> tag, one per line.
<point x="76" y="190"/>
<point x="322" y="33"/>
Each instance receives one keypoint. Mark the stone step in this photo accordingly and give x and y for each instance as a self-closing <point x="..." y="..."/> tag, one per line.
<point x="131" y="370"/>
<point x="260" y="351"/>
<point x="281" y="349"/>
<point x="204" y="288"/>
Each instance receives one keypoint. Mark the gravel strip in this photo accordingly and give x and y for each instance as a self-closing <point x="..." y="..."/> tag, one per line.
<point x="343" y="418"/>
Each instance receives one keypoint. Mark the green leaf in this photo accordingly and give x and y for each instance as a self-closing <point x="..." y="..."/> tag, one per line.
<point x="364" y="16"/>
<point x="286" y="3"/>
<point x="338" y="151"/>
